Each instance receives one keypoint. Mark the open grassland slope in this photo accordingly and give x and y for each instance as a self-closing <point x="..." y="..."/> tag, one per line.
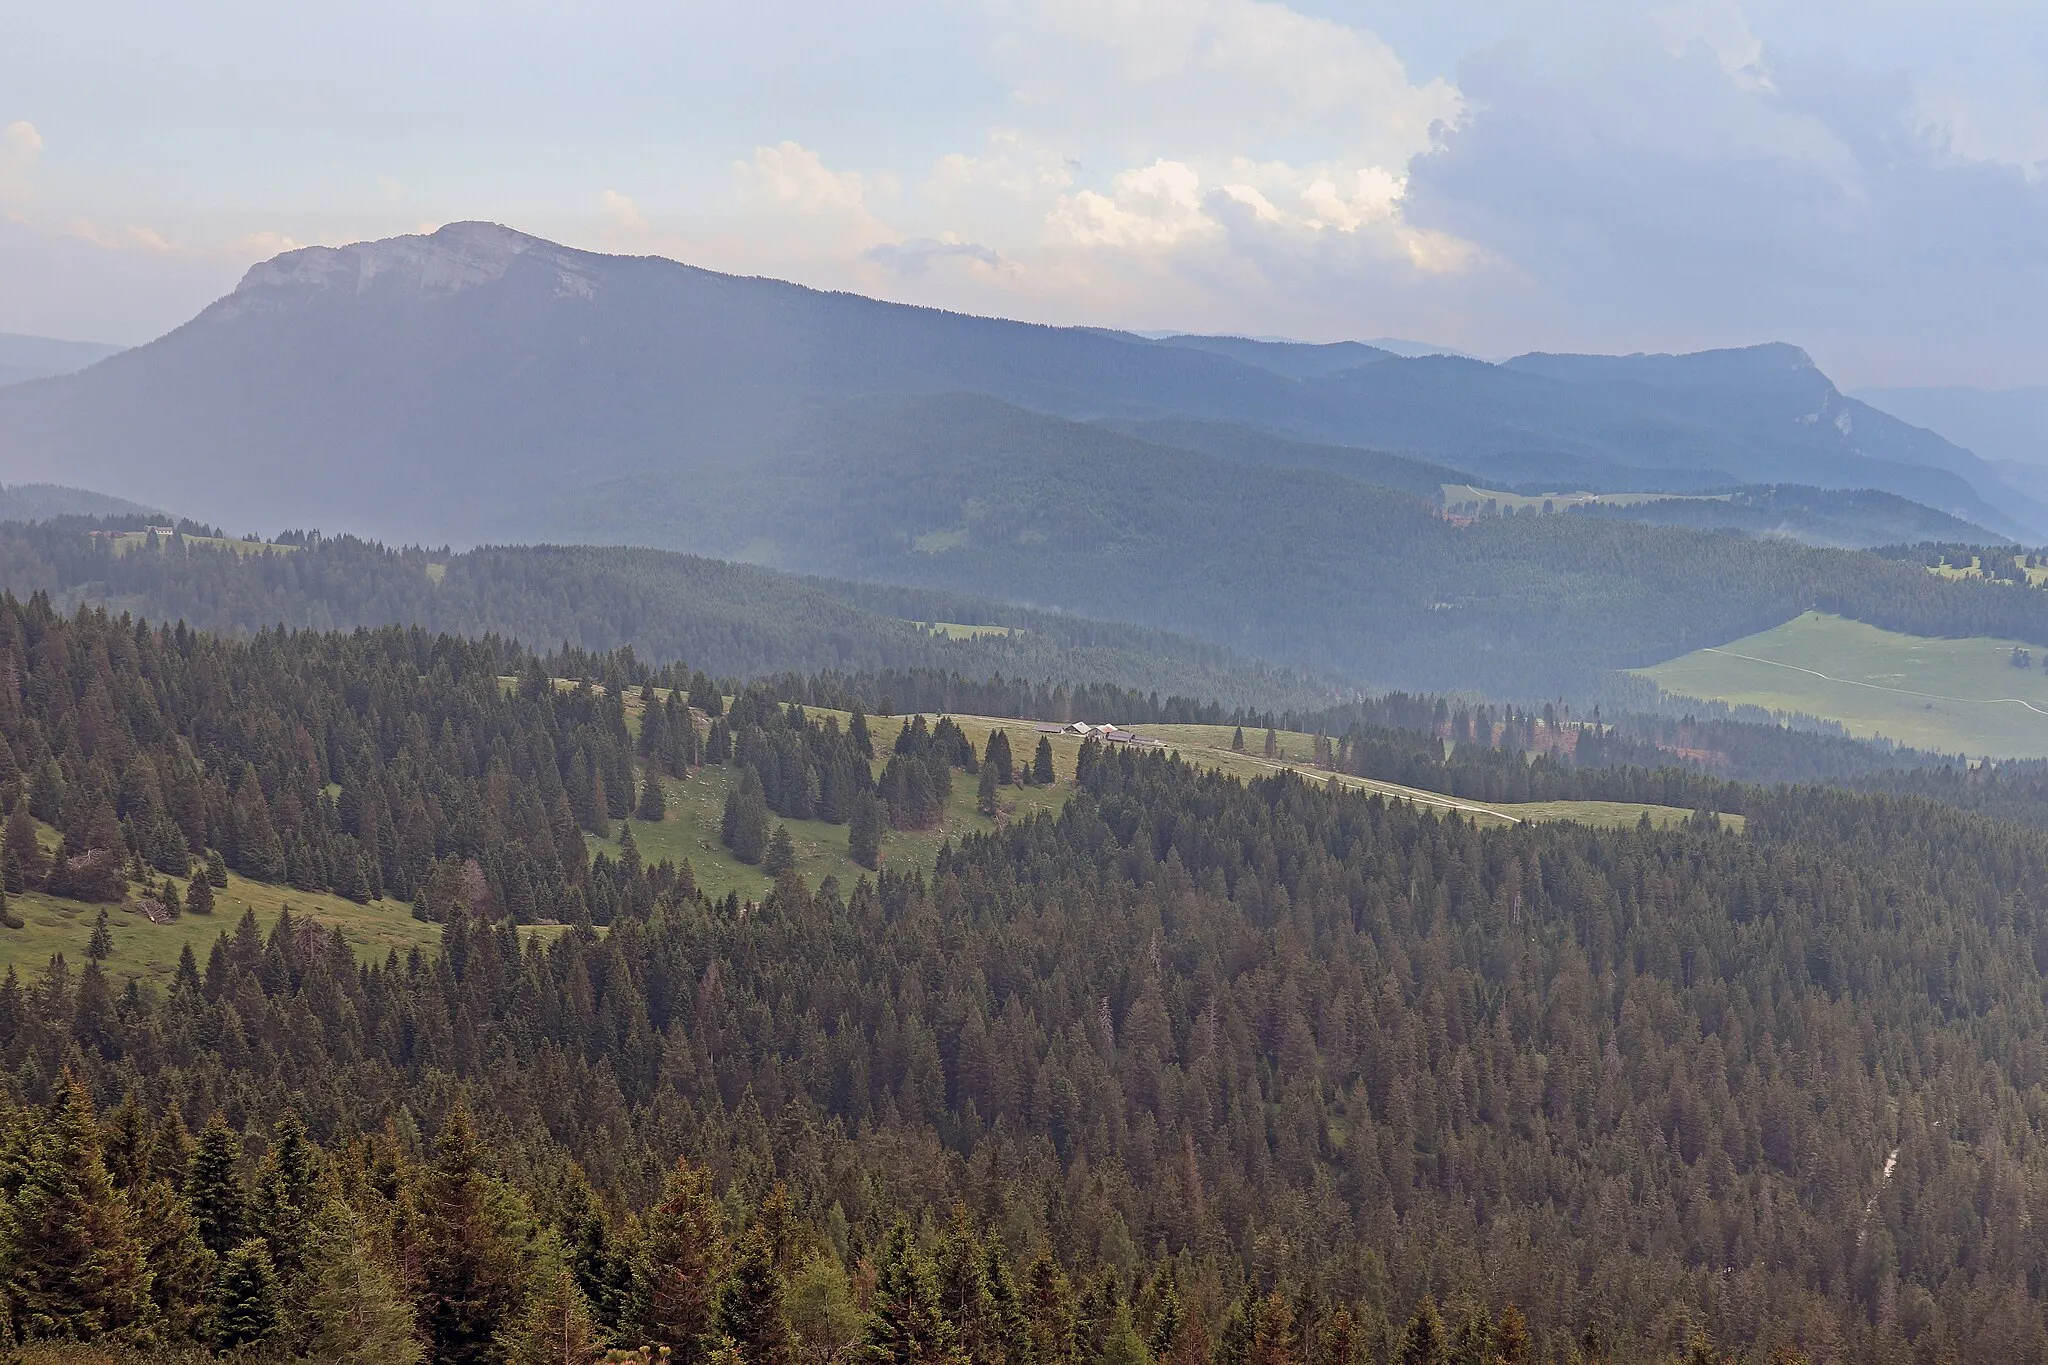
<point x="1950" y="696"/>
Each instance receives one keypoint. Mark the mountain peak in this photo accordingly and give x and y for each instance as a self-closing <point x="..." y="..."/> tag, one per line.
<point x="446" y="261"/>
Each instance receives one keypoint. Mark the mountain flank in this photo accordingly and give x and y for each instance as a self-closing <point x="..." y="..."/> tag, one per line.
<point x="477" y="385"/>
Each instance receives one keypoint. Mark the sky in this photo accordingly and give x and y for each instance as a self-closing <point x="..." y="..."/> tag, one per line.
<point x="1864" y="178"/>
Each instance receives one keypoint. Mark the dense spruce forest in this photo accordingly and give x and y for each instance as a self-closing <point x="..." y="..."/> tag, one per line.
<point x="1195" y="1070"/>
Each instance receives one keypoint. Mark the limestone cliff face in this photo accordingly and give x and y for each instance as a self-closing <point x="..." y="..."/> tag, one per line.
<point x="454" y="258"/>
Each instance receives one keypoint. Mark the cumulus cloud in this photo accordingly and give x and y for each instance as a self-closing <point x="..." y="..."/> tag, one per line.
<point x="1189" y="154"/>
<point x="1720" y="27"/>
<point x="621" y="212"/>
<point x="791" y="177"/>
<point x="1189" y="76"/>
<point x="1152" y="207"/>
<point x="1009" y="168"/>
<point x="20" y="145"/>
<point x="789" y="194"/>
<point x="916" y="256"/>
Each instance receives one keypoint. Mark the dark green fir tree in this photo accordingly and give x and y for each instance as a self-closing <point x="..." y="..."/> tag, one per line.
<point x="213" y="1187"/>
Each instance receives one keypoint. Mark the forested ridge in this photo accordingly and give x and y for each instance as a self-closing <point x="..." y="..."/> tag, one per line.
<point x="1523" y="607"/>
<point x="1196" y="1070"/>
<point x="732" y="620"/>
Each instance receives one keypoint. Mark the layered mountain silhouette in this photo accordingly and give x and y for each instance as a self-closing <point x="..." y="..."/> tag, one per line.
<point x="480" y="385"/>
<point x="447" y="386"/>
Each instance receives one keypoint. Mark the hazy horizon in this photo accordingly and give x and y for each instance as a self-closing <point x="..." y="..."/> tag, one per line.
<point x="1485" y="176"/>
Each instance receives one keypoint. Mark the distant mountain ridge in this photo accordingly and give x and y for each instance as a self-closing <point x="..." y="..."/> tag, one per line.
<point x="442" y="364"/>
<point x="477" y="385"/>
<point x="1757" y="392"/>
<point x="31" y="357"/>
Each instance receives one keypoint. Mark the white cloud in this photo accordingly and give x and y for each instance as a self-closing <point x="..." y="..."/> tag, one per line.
<point x="1194" y="78"/>
<point x="1258" y="209"/>
<point x="1008" y="167"/>
<point x="621" y="212"/>
<point x="1723" y="29"/>
<point x="791" y="177"/>
<point x="20" y="145"/>
<point x="915" y="257"/>
<point x="794" y="201"/>
<point x="130" y="237"/>
<point x="1153" y="207"/>
<point x="1199" y="150"/>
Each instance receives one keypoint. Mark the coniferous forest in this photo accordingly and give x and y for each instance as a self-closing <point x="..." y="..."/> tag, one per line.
<point x="1196" y="1070"/>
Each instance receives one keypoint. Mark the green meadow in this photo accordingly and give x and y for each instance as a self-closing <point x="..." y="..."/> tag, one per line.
<point x="138" y="540"/>
<point x="150" y="951"/>
<point x="1950" y="696"/>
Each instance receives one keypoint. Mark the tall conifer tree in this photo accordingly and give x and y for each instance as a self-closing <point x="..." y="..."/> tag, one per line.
<point x="213" y="1186"/>
<point x="353" y="1307"/>
<point x="468" y="1275"/>
<point x="750" y="1309"/>
<point x="906" y="1325"/>
<point x="683" y="1261"/>
<point x="74" y="1270"/>
<point x="248" y="1303"/>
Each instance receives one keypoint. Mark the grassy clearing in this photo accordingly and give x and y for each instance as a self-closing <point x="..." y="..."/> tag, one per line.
<point x="953" y="630"/>
<point x="137" y="540"/>
<point x="1611" y="814"/>
<point x="1210" y="744"/>
<point x="2037" y="575"/>
<point x="150" y="951"/>
<point x="1471" y="496"/>
<point x="1952" y="696"/>
<point x="689" y="830"/>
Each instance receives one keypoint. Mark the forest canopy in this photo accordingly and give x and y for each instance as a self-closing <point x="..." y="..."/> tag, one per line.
<point x="1196" y="1069"/>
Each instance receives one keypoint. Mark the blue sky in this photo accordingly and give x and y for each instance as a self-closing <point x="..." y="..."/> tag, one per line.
<point x="1499" y="175"/>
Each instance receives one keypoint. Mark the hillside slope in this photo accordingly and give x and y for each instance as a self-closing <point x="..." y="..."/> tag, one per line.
<point x="403" y="386"/>
<point x="478" y="385"/>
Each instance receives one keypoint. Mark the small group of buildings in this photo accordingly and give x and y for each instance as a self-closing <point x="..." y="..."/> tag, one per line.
<point x="1108" y="734"/>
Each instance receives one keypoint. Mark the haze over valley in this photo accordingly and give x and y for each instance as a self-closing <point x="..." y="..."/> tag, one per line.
<point x="1217" y="682"/>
